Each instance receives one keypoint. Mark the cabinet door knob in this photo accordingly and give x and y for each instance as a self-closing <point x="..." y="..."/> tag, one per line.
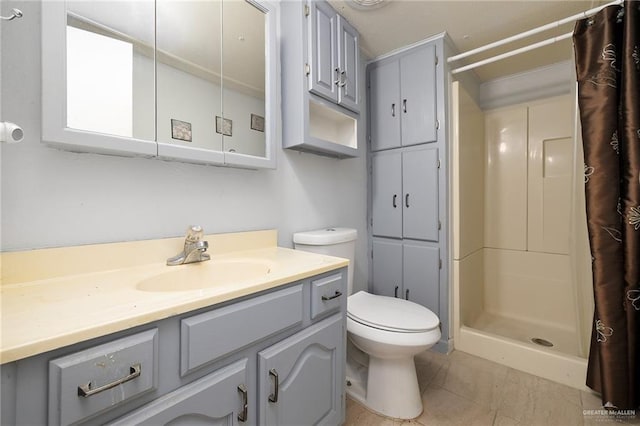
<point x="404" y="105"/>
<point x="276" y="385"/>
<point x="242" y="417"/>
<point x="395" y="197"/>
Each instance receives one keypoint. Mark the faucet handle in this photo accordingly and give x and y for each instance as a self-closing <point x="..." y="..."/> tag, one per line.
<point x="194" y="233"/>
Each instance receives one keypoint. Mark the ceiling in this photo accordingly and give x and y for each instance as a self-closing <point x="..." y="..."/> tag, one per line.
<point x="470" y="24"/>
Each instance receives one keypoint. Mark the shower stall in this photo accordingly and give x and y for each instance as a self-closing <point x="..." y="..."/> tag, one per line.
<point x="521" y="264"/>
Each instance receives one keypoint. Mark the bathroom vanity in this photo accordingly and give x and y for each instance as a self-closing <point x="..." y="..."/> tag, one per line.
<point x="267" y="348"/>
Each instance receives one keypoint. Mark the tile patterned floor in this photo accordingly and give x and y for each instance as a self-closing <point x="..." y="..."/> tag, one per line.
<point x="464" y="390"/>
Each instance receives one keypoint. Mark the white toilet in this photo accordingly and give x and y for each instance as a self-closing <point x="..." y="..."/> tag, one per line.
<point x="389" y="330"/>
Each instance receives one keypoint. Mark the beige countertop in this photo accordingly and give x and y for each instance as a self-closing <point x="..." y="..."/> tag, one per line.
<point x="48" y="303"/>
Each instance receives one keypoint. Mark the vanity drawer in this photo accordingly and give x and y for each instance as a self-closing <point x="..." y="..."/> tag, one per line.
<point x="87" y="382"/>
<point x="211" y="335"/>
<point x="327" y="293"/>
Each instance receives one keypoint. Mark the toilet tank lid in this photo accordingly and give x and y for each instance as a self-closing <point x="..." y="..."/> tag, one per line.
<point x="325" y="237"/>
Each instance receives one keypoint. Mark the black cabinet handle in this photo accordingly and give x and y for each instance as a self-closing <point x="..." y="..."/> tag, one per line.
<point x="404" y="105"/>
<point x="406" y="200"/>
<point x="395" y="197"/>
<point x="242" y="417"/>
<point x="276" y="385"/>
<point x="406" y="294"/>
<point x="393" y="110"/>
<point x="396" y="292"/>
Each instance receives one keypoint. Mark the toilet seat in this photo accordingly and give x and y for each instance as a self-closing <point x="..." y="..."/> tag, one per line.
<point x="390" y="313"/>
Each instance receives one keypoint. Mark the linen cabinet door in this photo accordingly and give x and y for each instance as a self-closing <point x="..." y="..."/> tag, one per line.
<point x="421" y="265"/>
<point x="323" y="56"/>
<point x="300" y="378"/>
<point x="384" y="106"/>
<point x="387" y="194"/>
<point x="420" y="206"/>
<point x="418" y="96"/>
<point x="387" y="267"/>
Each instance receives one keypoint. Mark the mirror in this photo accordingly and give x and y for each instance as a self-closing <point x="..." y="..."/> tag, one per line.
<point x="109" y="66"/>
<point x="189" y="80"/>
<point x="243" y="54"/>
<point x="189" y="72"/>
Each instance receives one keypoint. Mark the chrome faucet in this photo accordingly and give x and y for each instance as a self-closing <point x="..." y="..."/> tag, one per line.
<point x="194" y="248"/>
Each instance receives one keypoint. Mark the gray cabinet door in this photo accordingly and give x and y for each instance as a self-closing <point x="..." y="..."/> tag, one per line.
<point x="418" y="96"/>
<point x="387" y="194"/>
<point x="299" y="379"/>
<point x="384" y="102"/>
<point x="420" y="197"/>
<point x="216" y="399"/>
<point x="387" y="267"/>
<point x="421" y="279"/>
<point x="348" y="53"/>
<point x="322" y="50"/>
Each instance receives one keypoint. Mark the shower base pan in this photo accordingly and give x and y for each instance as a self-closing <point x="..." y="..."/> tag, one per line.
<point x="507" y="341"/>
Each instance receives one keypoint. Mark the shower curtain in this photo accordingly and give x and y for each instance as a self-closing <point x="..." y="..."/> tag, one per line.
<point x="607" y="48"/>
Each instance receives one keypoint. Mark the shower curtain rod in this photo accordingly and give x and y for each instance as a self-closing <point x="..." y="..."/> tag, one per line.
<point x="531" y="32"/>
<point x="512" y="53"/>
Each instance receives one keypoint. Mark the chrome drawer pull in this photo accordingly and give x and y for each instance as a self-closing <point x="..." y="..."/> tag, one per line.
<point x="242" y="417"/>
<point x="336" y="295"/>
<point x="276" y="382"/>
<point x="85" y="391"/>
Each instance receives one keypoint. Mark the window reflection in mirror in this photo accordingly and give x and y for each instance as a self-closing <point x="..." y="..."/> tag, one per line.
<point x="189" y="72"/>
<point x="110" y="72"/>
<point x="243" y="69"/>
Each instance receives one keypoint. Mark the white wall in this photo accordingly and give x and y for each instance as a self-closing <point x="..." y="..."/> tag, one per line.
<point x="55" y="198"/>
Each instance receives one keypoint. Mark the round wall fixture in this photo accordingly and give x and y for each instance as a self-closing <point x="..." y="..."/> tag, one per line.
<point x="367" y="4"/>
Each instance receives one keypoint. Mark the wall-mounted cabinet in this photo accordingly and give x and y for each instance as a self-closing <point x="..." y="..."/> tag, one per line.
<point x="321" y="100"/>
<point x="333" y="56"/>
<point x="403" y="110"/>
<point x="186" y="81"/>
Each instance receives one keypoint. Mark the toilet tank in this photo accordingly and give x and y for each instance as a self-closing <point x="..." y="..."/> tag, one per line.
<point x="339" y="242"/>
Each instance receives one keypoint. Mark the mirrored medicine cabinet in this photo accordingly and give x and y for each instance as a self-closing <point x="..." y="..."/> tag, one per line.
<point x="183" y="80"/>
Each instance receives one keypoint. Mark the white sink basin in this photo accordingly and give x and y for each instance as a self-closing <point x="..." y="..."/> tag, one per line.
<point x="202" y="275"/>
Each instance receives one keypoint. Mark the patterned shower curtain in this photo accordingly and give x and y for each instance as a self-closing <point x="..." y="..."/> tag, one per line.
<point x="607" y="49"/>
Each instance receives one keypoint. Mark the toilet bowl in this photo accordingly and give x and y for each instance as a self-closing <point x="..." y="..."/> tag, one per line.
<point x="387" y="329"/>
<point x="391" y="331"/>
